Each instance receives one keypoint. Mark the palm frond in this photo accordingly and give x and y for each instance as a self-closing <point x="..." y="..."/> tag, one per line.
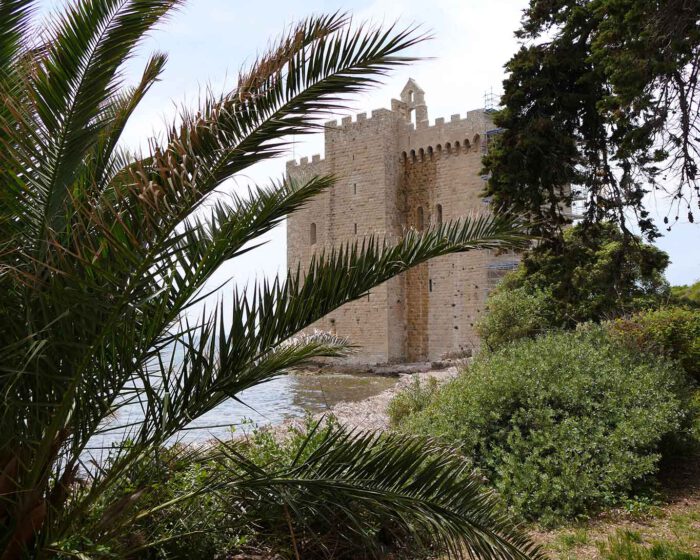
<point x="87" y="47"/>
<point x="116" y="113"/>
<point x="360" y="483"/>
<point x="288" y="92"/>
<point x="280" y="309"/>
<point x="15" y="18"/>
<point x="103" y="253"/>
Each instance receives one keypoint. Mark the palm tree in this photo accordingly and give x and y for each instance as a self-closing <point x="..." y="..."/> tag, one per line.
<point x="104" y="252"/>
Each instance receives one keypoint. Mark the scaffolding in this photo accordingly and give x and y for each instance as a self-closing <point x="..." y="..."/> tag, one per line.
<point x="491" y="102"/>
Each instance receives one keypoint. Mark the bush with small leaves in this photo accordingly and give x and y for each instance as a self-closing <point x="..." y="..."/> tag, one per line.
<point x="561" y="425"/>
<point x="672" y="331"/>
<point x="687" y="296"/>
<point x="515" y="314"/>
<point x="411" y="399"/>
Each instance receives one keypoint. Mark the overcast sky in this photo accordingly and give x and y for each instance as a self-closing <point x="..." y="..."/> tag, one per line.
<point x="208" y="41"/>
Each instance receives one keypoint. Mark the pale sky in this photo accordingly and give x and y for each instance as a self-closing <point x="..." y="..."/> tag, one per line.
<point x="208" y="41"/>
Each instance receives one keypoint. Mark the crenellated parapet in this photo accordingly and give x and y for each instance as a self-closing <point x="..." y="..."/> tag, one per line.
<point x="440" y="151"/>
<point x="305" y="162"/>
<point x="351" y="121"/>
<point x="427" y="142"/>
<point x="457" y="135"/>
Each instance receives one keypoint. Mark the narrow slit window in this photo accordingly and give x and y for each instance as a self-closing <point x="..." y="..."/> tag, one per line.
<point x="355" y="229"/>
<point x="420" y="218"/>
<point x="312" y="234"/>
<point x="354" y="188"/>
<point x="430" y="284"/>
<point x="438" y="212"/>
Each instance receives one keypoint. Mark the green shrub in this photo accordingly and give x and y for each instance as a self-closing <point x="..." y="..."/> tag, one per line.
<point x="411" y="399"/>
<point x="560" y="425"/>
<point x="595" y="275"/>
<point x="315" y="521"/>
<point x="673" y="331"/>
<point x="195" y="528"/>
<point x="688" y="296"/>
<point x="515" y="314"/>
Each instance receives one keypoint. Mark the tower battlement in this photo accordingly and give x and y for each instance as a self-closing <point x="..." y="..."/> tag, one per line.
<point x="398" y="170"/>
<point x="304" y="161"/>
<point x="441" y="137"/>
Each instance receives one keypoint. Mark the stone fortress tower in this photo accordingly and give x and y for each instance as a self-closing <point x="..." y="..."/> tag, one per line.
<point x="396" y="171"/>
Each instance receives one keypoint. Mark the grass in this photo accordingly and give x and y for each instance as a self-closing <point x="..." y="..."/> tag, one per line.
<point x="630" y="545"/>
<point x="669" y="531"/>
<point x="674" y="536"/>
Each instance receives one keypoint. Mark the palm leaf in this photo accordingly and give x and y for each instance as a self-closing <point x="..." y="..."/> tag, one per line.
<point x="358" y="480"/>
<point x="15" y="17"/>
<point x="103" y="253"/>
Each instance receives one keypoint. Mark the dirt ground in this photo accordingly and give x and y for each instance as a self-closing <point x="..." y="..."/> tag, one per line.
<point x="673" y="522"/>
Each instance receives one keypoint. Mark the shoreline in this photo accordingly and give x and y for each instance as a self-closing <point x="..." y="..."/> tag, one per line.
<point x="371" y="413"/>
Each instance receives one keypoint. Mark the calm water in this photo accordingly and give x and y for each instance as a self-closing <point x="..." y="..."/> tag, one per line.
<point x="270" y="403"/>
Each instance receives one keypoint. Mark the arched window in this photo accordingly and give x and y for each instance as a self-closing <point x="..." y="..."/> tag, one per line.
<point x="403" y="156"/>
<point x="457" y="146"/>
<point x="439" y="148"/>
<point x="420" y="218"/>
<point x="413" y="156"/>
<point x="477" y="141"/>
<point x="448" y="147"/>
<point x="421" y="155"/>
<point x="410" y="96"/>
<point x="467" y="145"/>
<point x="438" y="213"/>
<point x="430" y="152"/>
<point x="312" y="234"/>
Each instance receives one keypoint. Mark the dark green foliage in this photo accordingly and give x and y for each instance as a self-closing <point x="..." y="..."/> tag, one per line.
<point x="181" y="519"/>
<point x="671" y="331"/>
<point x="601" y="98"/>
<point x="515" y="313"/>
<point x="197" y="524"/>
<point x="597" y="273"/>
<point x="562" y="425"/>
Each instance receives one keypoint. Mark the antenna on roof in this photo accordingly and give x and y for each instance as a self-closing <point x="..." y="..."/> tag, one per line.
<point x="491" y="101"/>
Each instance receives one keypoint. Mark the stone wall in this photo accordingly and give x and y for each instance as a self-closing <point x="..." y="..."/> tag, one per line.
<point x="394" y="174"/>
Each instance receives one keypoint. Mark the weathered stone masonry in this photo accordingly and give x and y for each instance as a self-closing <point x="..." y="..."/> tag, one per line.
<point x="395" y="174"/>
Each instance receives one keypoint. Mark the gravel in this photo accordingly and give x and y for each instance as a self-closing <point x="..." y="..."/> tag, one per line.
<point x="371" y="413"/>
